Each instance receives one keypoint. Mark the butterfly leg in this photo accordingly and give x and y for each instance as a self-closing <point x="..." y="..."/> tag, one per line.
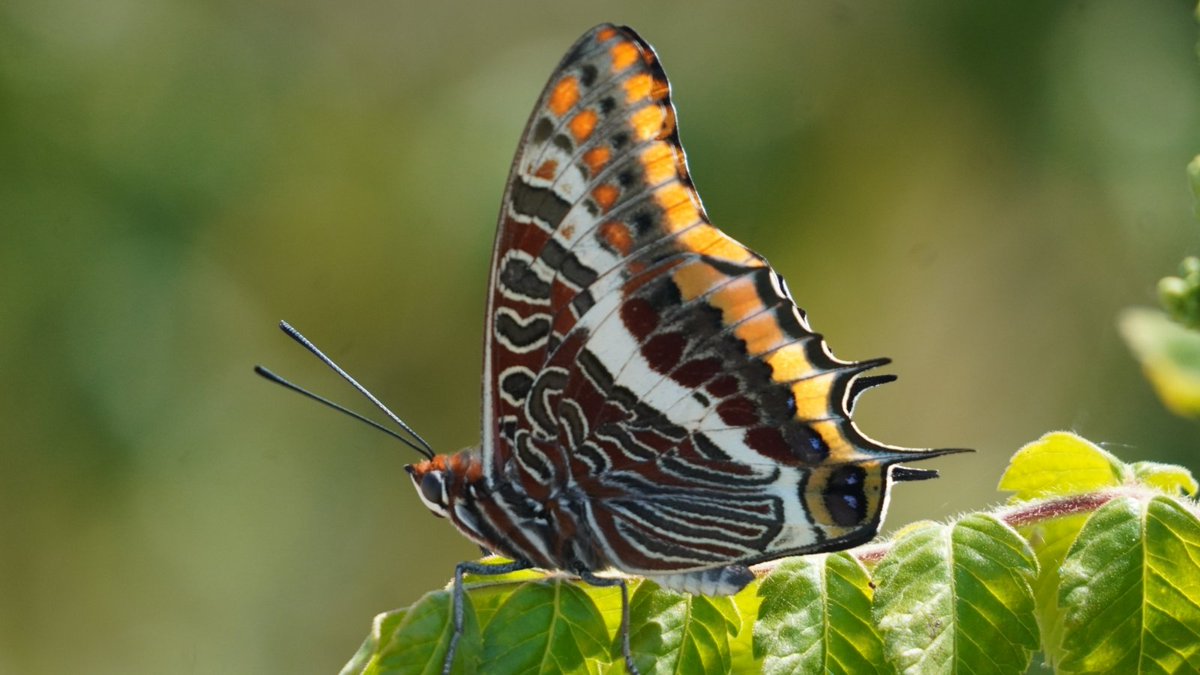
<point x="624" y="629"/>
<point x="459" y="594"/>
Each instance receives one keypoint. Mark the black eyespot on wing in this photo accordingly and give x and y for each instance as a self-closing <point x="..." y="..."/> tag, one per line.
<point x="844" y="495"/>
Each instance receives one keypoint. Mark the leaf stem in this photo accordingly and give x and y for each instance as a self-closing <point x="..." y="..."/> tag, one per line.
<point x="1025" y="514"/>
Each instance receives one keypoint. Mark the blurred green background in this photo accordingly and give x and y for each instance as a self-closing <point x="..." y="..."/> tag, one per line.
<point x="973" y="189"/>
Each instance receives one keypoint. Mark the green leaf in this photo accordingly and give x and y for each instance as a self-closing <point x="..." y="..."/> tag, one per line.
<point x="1170" y="479"/>
<point x="958" y="598"/>
<point x="1051" y="540"/>
<point x="548" y="626"/>
<point x="741" y="647"/>
<point x="1131" y="590"/>
<point x="384" y="624"/>
<point x="415" y="640"/>
<point x="1170" y="357"/>
<point x="681" y="633"/>
<point x="1058" y="464"/>
<point x="815" y="617"/>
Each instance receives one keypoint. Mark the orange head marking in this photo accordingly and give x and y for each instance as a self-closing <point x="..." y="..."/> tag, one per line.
<point x="429" y="477"/>
<point x="435" y="478"/>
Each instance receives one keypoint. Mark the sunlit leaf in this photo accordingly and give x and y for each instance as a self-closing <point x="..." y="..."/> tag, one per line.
<point x="1131" y="590"/>
<point x="741" y="645"/>
<point x="1060" y="463"/>
<point x="1171" y="479"/>
<point x="549" y="626"/>
<point x="958" y="598"/>
<point x="1051" y="540"/>
<point x="415" y="640"/>
<point x="681" y="633"/>
<point x="815" y="617"/>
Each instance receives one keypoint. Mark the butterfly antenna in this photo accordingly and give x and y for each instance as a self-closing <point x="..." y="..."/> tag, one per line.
<point x="266" y="374"/>
<point x="421" y="445"/>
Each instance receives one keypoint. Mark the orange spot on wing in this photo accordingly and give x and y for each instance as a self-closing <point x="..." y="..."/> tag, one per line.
<point x="736" y="301"/>
<point x="596" y="158"/>
<point x="617" y="235"/>
<point x="624" y="54"/>
<point x="659" y="163"/>
<point x="761" y="332"/>
<point x="812" y="395"/>
<point x="547" y="169"/>
<point x="564" y="96"/>
<point x="653" y="121"/>
<point x="605" y="34"/>
<point x="788" y="364"/>
<point x="695" y="279"/>
<point x="712" y="242"/>
<point x="604" y="195"/>
<point x="638" y="87"/>
<point x="679" y="206"/>
<point x="582" y="125"/>
<point x="840" y="451"/>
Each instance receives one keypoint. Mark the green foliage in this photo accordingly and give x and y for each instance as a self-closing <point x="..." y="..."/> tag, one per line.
<point x="1170" y="356"/>
<point x="1167" y="343"/>
<point x="954" y="598"/>
<point x="1180" y="295"/>
<point x="815" y="617"/>
<point x="1093" y="562"/>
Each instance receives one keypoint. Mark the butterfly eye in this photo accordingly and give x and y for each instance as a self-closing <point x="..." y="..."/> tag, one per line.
<point x="433" y="489"/>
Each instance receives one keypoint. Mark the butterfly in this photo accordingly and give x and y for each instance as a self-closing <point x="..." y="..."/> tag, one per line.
<point x="654" y="402"/>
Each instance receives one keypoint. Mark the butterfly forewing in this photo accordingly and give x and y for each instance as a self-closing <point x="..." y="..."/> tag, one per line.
<point x="643" y="368"/>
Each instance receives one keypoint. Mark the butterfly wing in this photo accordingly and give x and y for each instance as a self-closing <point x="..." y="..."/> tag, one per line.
<point x="644" y="361"/>
<point x="596" y="158"/>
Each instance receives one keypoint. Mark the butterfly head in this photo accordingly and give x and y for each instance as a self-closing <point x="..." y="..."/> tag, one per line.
<point x="441" y="477"/>
<point x="429" y="477"/>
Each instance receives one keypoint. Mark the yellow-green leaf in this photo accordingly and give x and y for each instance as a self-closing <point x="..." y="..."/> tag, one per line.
<point x="1058" y="464"/>
<point x="1170" y="479"/>
<point x="1051" y="540"/>
<point x="1130" y="593"/>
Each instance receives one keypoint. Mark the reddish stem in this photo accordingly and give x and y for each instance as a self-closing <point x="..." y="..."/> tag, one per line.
<point x="1023" y="515"/>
